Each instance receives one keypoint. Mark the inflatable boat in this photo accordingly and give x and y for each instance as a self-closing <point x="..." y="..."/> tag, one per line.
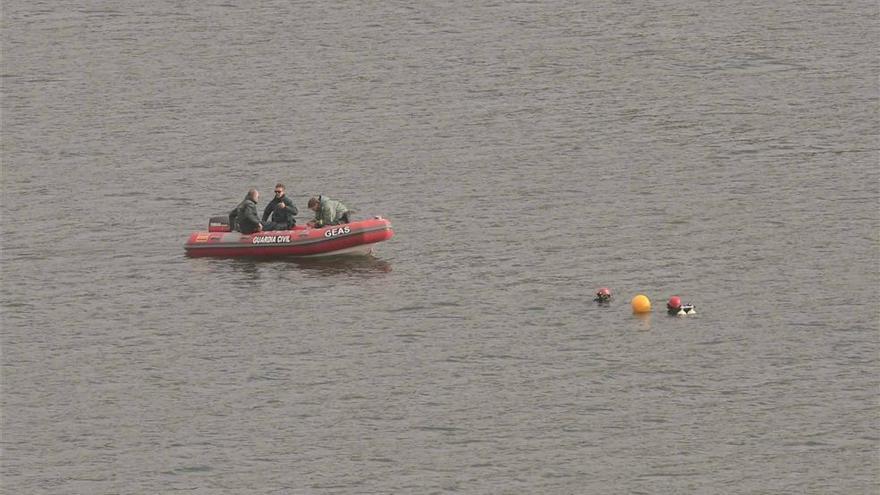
<point x="356" y="238"/>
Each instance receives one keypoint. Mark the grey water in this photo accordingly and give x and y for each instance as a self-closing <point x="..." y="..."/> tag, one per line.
<point x="527" y="153"/>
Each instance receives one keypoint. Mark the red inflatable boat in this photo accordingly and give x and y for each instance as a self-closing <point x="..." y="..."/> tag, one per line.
<point x="357" y="237"/>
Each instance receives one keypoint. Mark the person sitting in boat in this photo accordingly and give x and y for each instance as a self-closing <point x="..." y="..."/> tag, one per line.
<point x="282" y="210"/>
<point x="244" y="217"/>
<point x="328" y="212"/>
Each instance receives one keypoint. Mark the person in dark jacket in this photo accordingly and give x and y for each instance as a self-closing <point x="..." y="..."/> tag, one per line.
<point x="244" y="217"/>
<point x="282" y="210"/>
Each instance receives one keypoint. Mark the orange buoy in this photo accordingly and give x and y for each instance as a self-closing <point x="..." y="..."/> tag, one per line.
<point x="641" y="304"/>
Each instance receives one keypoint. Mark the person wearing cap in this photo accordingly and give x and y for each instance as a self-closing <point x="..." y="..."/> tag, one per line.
<point x="244" y="217"/>
<point x="328" y="212"/>
<point x="282" y="210"/>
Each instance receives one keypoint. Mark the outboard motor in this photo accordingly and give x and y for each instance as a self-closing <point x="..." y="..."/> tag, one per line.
<point x="219" y="223"/>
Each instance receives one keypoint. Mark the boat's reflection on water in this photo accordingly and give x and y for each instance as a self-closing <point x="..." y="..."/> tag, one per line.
<point x="325" y="265"/>
<point x="343" y="264"/>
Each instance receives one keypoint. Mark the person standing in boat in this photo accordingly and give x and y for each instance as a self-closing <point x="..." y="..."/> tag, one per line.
<point x="244" y="217"/>
<point x="328" y="212"/>
<point x="282" y="210"/>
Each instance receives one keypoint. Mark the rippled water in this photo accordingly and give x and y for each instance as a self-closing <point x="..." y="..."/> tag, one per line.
<point x="527" y="153"/>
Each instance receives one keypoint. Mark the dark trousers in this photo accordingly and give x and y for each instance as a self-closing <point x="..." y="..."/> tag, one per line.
<point x="278" y="226"/>
<point x="247" y="229"/>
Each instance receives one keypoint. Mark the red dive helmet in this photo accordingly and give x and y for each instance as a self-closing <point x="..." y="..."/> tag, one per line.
<point x="674" y="302"/>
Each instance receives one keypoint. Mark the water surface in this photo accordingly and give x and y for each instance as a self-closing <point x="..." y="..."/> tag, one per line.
<point x="527" y="153"/>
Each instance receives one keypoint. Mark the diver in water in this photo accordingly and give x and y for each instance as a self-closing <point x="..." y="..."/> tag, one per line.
<point x="603" y="295"/>
<point x="675" y="307"/>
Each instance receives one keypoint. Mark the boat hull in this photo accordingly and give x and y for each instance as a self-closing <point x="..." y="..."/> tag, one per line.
<point x="355" y="238"/>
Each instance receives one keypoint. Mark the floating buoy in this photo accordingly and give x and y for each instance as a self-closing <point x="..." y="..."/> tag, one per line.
<point x="603" y="295"/>
<point x="641" y="304"/>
